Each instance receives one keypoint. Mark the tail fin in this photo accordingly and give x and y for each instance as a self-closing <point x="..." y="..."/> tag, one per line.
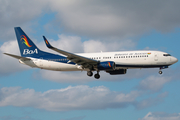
<point x="26" y="46"/>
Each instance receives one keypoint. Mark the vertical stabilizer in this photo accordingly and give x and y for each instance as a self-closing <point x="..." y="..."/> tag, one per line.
<point x="26" y="46"/>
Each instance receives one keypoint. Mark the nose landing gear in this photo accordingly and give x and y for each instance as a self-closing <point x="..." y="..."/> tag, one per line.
<point x="163" y="67"/>
<point x="160" y="72"/>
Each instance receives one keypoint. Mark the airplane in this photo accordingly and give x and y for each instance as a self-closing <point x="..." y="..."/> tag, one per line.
<point x="114" y="63"/>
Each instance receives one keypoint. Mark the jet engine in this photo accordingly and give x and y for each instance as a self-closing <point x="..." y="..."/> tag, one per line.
<point x="117" y="72"/>
<point x="109" y="65"/>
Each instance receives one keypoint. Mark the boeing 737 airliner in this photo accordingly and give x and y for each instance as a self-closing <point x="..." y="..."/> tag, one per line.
<point x="114" y="63"/>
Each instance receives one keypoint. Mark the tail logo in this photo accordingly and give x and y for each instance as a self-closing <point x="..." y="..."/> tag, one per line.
<point x="23" y="37"/>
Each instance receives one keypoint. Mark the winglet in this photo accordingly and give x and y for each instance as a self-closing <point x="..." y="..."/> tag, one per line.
<point x="47" y="43"/>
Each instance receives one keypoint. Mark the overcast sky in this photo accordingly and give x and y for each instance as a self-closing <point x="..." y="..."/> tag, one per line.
<point x="90" y="26"/>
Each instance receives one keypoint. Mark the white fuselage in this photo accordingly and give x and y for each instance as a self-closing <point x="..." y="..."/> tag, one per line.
<point x="123" y="60"/>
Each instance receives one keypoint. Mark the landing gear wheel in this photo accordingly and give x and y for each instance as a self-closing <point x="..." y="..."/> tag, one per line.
<point x="97" y="76"/>
<point x="160" y="72"/>
<point x="90" y="73"/>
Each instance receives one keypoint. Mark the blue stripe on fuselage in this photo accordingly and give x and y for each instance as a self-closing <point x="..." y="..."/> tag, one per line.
<point x="53" y="57"/>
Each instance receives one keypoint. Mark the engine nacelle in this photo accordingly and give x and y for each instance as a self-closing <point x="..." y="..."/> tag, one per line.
<point x="117" y="72"/>
<point x="109" y="65"/>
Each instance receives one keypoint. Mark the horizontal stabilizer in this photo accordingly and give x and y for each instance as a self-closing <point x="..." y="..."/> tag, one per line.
<point x="17" y="57"/>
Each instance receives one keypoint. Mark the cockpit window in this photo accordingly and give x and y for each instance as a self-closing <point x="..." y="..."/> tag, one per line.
<point x="166" y="55"/>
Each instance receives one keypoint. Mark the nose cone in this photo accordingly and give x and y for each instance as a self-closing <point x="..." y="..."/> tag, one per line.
<point x="174" y="60"/>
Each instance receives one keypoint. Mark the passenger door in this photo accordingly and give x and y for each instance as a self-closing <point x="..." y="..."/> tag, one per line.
<point x="156" y="56"/>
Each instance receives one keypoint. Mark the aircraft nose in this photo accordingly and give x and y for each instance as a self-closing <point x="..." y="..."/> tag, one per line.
<point x="174" y="60"/>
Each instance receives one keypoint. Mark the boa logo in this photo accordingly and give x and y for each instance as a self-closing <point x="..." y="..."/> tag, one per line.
<point x="29" y="52"/>
<point x="23" y="37"/>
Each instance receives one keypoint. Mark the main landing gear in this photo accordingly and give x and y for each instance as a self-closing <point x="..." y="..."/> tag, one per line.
<point x="90" y="73"/>
<point x="97" y="76"/>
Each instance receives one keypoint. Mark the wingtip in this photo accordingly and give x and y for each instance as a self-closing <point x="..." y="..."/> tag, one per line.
<point x="44" y="38"/>
<point x="6" y="53"/>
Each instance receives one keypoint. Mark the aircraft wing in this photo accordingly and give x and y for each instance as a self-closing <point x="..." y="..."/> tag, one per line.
<point x="17" y="57"/>
<point x="80" y="60"/>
